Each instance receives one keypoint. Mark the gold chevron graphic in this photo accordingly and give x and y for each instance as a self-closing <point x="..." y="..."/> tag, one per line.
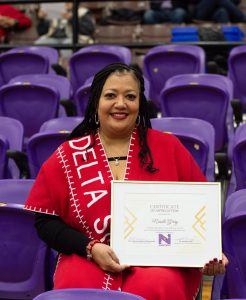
<point x="130" y="219"/>
<point x="198" y="226"/>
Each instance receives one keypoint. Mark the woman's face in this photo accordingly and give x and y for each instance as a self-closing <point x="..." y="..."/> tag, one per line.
<point x="119" y="104"/>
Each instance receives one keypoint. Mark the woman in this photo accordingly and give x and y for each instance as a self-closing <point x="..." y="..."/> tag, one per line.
<point x="114" y="141"/>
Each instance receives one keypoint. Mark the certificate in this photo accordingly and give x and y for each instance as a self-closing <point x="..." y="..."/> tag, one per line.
<point x="166" y="223"/>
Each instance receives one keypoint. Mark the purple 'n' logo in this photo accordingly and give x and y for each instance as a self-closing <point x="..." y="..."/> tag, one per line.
<point x="164" y="240"/>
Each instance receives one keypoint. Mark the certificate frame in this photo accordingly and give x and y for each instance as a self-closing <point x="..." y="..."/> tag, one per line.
<point x="157" y="223"/>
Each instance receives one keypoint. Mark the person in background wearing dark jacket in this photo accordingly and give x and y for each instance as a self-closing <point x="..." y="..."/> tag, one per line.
<point x="12" y="19"/>
<point x="221" y="11"/>
<point x="166" y="11"/>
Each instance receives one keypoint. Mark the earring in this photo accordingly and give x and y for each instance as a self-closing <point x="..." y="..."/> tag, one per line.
<point x="138" y="121"/>
<point x="96" y="119"/>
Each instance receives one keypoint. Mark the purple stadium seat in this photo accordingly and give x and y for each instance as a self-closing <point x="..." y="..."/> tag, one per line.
<point x="62" y="84"/>
<point x="24" y="257"/>
<point x="201" y="96"/>
<point x="196" y="135"/>
<point x="15" y="190"/>
<point x="237" y="72"/>
<point x="63" y="124"/>
<point x="40" y="146"/>
<point x="88" y="294"/>
<point x="87" y="61"/>
<point x="31" y="104"/>
<point x="81" y="97"/>
<point x="51" y="53"/>
<point x="162" y="62"/>
<point x="13" y="64"/>
<point x="52" y="133"/>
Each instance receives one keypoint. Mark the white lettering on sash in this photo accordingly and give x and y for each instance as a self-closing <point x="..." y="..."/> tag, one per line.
<point x="107" y="235"/>
<point x="95" y="198"/>
<point x="105" y="224"/>
<point x="80" y="157"/>
<point x="84" y="155"/>
<point x="87" y="140"/>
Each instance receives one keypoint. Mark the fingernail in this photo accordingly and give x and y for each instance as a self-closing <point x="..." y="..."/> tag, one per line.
<point x="215" y="259"/>
<point x="220" y="261"/>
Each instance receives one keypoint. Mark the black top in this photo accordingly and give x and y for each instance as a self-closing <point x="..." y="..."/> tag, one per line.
<point x="59" y="236"/>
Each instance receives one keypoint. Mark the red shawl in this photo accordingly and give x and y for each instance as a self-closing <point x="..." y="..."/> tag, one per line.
<point x="74" y="183"/>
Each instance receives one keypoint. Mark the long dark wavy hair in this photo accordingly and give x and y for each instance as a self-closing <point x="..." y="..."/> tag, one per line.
<point x="90" y="126"/>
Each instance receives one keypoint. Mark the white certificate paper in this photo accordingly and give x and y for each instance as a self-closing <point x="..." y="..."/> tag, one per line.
<point x="166" y="223"/>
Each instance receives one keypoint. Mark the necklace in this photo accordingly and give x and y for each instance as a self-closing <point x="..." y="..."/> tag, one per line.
<point x="116" y="159"/>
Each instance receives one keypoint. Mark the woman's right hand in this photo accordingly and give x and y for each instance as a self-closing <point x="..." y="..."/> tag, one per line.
<point x="104" y="256"/>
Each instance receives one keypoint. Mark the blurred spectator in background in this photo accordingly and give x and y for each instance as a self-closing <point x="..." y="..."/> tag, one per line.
<point x="12" y="19"/>
<point x="173" y="11"/>
<point x="55" y="23"/>
<point x="221" y="11"/>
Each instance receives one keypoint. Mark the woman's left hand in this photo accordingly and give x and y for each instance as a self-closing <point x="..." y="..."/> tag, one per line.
<point x="215" y="267"/>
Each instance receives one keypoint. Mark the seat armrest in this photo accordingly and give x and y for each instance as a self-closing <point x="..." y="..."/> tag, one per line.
<point x="21" y="160"/>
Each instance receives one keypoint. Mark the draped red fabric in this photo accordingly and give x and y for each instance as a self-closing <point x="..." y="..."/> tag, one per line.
<point x="75" y="183"/>
<point x="11" y="12"/>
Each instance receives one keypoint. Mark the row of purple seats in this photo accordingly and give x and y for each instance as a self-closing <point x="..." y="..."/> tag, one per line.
<point x="159" y="64"/>
<point x="82" y="64"/>
<point x="30" y="61"/>
<point x="203" y="96"/>
<point x="197" y="135"/>
<point x="163" y="62"/>
<point x="202" y="132"/>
